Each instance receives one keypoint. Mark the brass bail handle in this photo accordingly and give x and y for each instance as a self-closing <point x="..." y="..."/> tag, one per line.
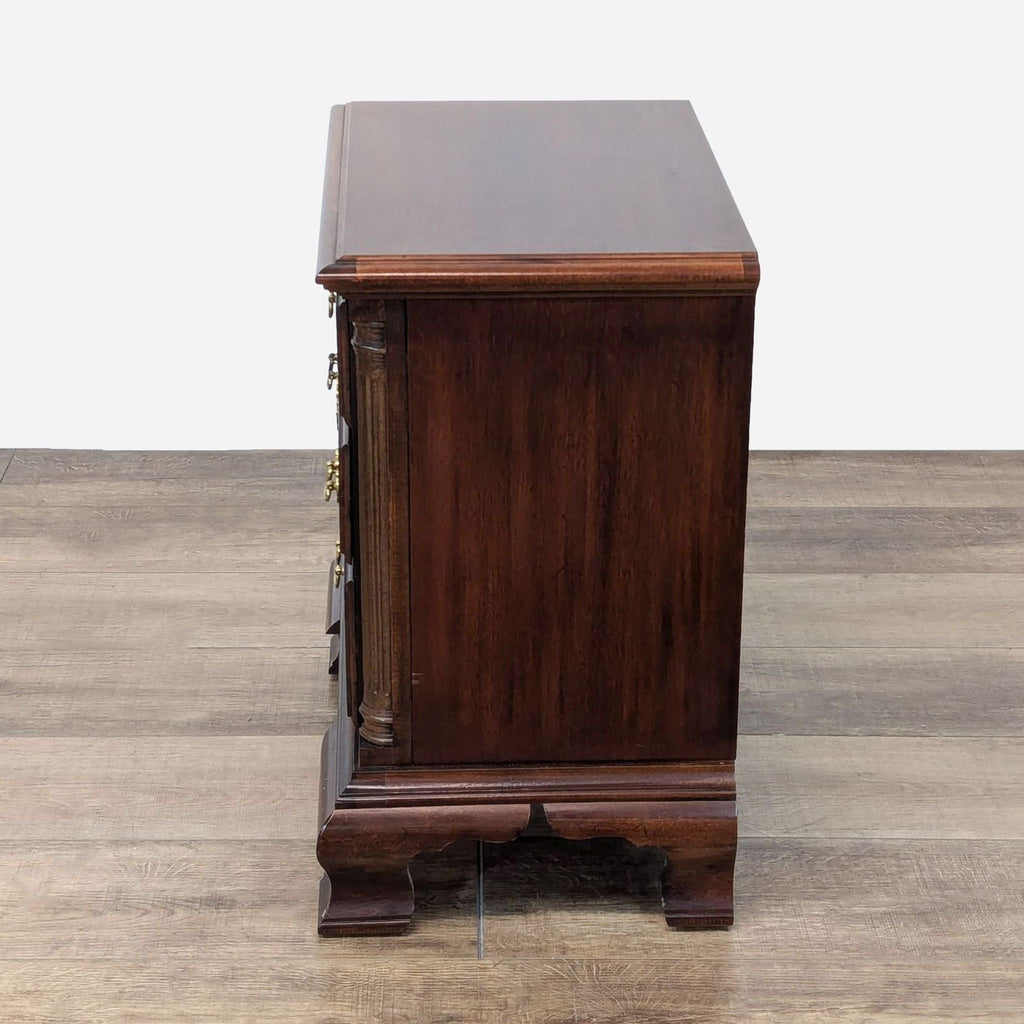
<point x="333" y="482"/>
<point x="332" y="369"/>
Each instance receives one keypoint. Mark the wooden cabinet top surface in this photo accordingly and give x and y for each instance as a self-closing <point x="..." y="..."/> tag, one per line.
<point x="527" y="196"/>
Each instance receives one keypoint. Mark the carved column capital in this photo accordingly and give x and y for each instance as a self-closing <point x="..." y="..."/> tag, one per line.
<point x="369" y="336"/>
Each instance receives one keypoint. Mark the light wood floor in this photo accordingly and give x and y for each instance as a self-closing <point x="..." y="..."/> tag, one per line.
<point x="163" y="691"/>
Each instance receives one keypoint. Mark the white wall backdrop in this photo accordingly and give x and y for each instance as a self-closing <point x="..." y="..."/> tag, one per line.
<point x="161" y="179"/>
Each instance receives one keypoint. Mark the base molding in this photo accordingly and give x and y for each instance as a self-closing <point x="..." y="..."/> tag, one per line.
<point x="698" y="837"/>
<point x="412" y="787"/>
<point x="365" y="855"/>
<point x="366" y="842"/>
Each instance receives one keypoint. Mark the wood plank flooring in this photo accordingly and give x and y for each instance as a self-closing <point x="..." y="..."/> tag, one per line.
<point x="163" y="693"/>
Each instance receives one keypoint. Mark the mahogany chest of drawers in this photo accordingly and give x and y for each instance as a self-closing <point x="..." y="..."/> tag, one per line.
<point x="544" y="332"/>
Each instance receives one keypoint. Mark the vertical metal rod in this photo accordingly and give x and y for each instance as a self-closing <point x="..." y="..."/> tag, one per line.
<point x="479" y="900"/>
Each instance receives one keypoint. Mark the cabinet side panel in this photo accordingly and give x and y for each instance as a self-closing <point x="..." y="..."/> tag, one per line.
<point x="577" y="494"/>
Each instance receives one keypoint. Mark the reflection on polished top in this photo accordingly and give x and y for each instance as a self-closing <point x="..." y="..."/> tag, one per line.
<point x="523" y="178"/>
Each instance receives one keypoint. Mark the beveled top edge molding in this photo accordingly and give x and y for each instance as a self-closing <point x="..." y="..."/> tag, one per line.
<point x="733" y="273"/>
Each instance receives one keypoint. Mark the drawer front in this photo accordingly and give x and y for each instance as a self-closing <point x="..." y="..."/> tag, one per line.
<point x="342" y="386"/>
<point x="340" y="487"/>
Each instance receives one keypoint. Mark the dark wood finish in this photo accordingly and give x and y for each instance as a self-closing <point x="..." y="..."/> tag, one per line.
<point x="552" y="273"/>
<point x="698" y="837"/>
<point x="545" y="409"/>
<point x="365" y="849"/>
<point x="539" y="784"/>
<point x="382" y="561"/>
<point x="365" y="852"/>
<point x="376" y="709"/>
<point x="333" y="599"/>
<point x="344" y="388"/>
<point x="350" y="627"/>
<point x="578" y="513"/>
<point x="524" y="178"/>
<point x="350" y="637"/>
<point x="463" y="198"/>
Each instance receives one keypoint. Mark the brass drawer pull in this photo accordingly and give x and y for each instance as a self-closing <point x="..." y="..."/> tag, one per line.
<point x="333" y="482"/>
<point x="332" y="370"/>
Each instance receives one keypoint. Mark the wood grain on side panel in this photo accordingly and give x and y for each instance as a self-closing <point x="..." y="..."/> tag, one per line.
<point x="577" y="482"/>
